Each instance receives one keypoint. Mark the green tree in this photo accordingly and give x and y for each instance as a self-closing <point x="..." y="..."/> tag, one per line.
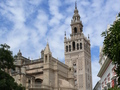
<point x="7" y="82"/>
<point x="6" y="58"/>
<point x="115" y="88"/>
<point x="112" y="45"/>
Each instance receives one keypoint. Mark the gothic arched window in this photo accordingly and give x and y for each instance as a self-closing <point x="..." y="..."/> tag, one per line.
<point x="77" y="46"/>
<point x="73" y="44"/>
<point x="38" y="81"/>
<point x="69" y="47"/>
<point x="80" y="45"/>
<point x="75" y="30"/>
<point x="66" y="48"/>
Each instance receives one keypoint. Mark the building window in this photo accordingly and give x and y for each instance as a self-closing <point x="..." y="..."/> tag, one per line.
<point x="80" y="45"/>
<point x="69" y="47"/>
<point x="66" y="48"/>
<point x="29" y="81"/>
<point x="80" y="29"/>
<point x="108" y="85"/>
<point x="114" y="82"/>
<point x="75" y="30"/>
<point x="74" y="64"/>
<point x="73" y="44"/>
<point x="113" y="71"/>
<point x="46" y="58"/>
<point x="105" y="81"/>
<point x="108" y="76"/>
<point x="38" y="81"/>
<point x="102" y="84"/>
<point x="75" y="71"/>
<point x="77" y="46"/>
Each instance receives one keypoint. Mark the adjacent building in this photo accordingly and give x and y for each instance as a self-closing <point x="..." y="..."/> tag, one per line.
<point x="108" y="77"/>
<point x="107" y="74"/>
<point x="97" y="86"/>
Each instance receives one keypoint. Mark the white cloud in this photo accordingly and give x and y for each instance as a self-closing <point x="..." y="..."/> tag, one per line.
<point x="36" y="2"/>
<point x="41" y="23"/>
<point x="56" y="16"/>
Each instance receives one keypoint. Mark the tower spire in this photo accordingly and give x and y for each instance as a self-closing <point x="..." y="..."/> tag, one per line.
<point x="76" y="4"/>
<point x="65" y="33"/>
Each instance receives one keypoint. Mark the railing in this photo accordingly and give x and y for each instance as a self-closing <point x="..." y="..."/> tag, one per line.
<point x="46" y="87"/>
<point x="41" y="86"/>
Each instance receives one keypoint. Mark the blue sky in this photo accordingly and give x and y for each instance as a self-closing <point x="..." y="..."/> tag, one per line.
<point x="27" y="24"/>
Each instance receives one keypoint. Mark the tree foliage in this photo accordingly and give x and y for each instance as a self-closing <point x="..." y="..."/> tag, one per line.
<point x="7" y="82"/>
<point x="115" y="88"/>
<point x="6" y="58"/>
<point x="112" y="45"/>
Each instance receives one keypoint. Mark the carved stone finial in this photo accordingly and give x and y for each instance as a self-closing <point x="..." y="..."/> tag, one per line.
<point x="19" y="53"/>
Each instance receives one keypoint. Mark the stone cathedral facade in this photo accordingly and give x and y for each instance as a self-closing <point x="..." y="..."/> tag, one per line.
<point x="45" y="73"/>
<point x="77" y="51"/>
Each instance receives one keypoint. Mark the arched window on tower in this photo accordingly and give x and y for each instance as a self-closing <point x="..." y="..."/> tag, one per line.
<point x="80" y="29"/>
<point x="69" y="47"/>
<point x="66" y="48"/>
<point x="73" y="44"/>
<point x="45" y="58"/>
<point x="80" y="45"/>
<point x="77" y="46"/>
<point x="75" y="30"/>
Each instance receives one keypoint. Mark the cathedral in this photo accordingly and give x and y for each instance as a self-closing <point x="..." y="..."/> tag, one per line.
<point x="48" y="73"/>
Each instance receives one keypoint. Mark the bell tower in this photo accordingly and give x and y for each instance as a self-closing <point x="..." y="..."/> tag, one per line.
<point x="76" y="24"/>
<point x="77" y="51"/>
